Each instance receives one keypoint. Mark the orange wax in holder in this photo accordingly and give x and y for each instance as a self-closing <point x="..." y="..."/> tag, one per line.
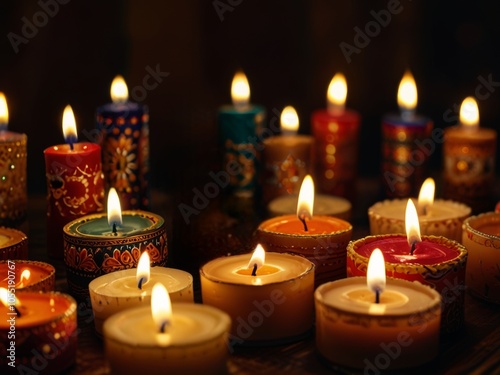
<point x="13" y="244"/>
<point x="481" y="237"/>
<point x="45" y="334"/>
<point x="436" y="261"/>
<point x="324" y="244"/>
<point x="41" y="275"/>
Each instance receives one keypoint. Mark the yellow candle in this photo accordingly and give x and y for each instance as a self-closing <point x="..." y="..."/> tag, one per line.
<point x="27" y="275"/>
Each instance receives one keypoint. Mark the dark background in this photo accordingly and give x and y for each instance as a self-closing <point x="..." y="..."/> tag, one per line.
<point x="288" y="49"/>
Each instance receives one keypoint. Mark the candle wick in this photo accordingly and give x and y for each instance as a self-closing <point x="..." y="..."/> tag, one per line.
<point x="17" y="311"/>
<point x="141" y="281"/>
<point x="254" y="271"/>
<point x="377" y="296"/>
<point x="303" y="219"/>
<point x="163" y="326"/>
<point x="413" y="245"/>
<point x="71" y="146"/>
<point x="114" y="228"/>
<point x="425" y="210"/>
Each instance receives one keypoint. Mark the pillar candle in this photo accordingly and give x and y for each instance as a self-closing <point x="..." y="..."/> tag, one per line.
<point x="74" y="183"/>
<point x="125" y="147"/>
<point x="239" y="127"/>
<point x="13" y="156"/>
<point x="336" y="133"/>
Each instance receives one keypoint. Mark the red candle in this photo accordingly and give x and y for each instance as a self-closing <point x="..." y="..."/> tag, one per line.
<point x="336" y="133"/>
<point x="74" y="182"/>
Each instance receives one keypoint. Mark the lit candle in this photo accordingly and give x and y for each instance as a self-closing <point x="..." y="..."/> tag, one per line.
<point x="432" y="260"/>
<point x="436" y="217"/>
<point x="177" y="338"/>
<point x="123" y="289"/>
<point x="27" y="275"/>
<point x="469" y="159"/>
<point x="286" y="158"/>
<point x="336" y="134"/>
<point x="239" y="126"/>
<point x="125" y="146"/>
<point x="481" y="237"/>
<point x="268" y="296"/>
<point x="357" y="329"/>
<point x="321" y="239"/>
<point x="404" y="164"/>
<point x="13" y="244"/>
<point x="13" y="192"/>
<point x="74" y="183"/>
<point x="45" y="331"/>
<point x="98" y="244"/>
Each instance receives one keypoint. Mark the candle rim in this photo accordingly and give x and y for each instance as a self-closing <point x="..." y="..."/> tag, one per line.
<point x="263" y="226"/>
<point x="51" y="271"/>
<point x="467" y="225"/>
<point x="15" y="236"/>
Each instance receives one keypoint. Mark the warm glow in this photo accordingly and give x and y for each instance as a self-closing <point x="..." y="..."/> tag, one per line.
<point x="25" y="277"/>
<point x="375" y="273"/>
<point x="114" y="208"/>
<point x="407" y="93"/>
<point x="426" y="195"/>
<point x="119" y="90"/>
<point x="240" y="90"/>
<point x="289" y="120"/>
<point x="411" y="223"/>
<point x="306" y="198"/>
<point x="258" y="257"/>
<point x="4" y="112"/>
<point x="337" y="93"/>
<point x="469" y="113"/>
<point x="161" y="307"/>
<point x="69" y="125"/>
<point x="7" y="298"/>
<point x="143" y="270"/>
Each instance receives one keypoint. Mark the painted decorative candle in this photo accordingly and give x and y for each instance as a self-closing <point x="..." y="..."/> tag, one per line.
<point x="481" y="237"/>
<point x="321" y="239"/>
<point x="286" y="158"/>
<point x="98" y="244"/>
<point x="13" y="156"/>
<point x="74" y="183"/>
<point x="269" y="297"/>
<point x="435" y="261"/>
<point x="120" y="290"/>
<point x="27" y="275"/>
<point x="239" y="127"/>
<point x="436" y="217"/>
<point x="125" y="146"/>
<point x="324" y="205"/>
<point x="13" y="244"/>
<point x="176" y="339"/>
<point x="469" y="160"/>
<point x="336" y="133"/>
<point x="404" y="163"/>
<point x="45" y="331"/>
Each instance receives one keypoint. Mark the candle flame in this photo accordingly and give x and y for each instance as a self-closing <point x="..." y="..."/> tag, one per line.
<point x="258" y="257"/>
<point x="119" y="90"/>
<point x="240" y="91"/>
<point x="306" y="199"/>
<point x="4" y="112"/>
<point x="469" y="113"/>
<point x="375" y="273"/>
<point x="337" y="93"/>
<point x="143" y="270"/>
<point x="7" y="298"/>
<point x="114" y="208"/>
<point x="289" y="120"/>
<point x="426" y="195"/>
<point x="25" y="277"/>
<point x="161" y="307"/>
<point x="69" y="125"/>
<point x="407" y="93"/>
<point x="411" y="223"/>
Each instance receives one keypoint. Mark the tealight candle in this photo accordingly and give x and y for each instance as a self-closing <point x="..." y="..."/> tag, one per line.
<point x="436" y="217"/>
<point x="27" y="275"/>
<point x="404" y="164"/>
<point x="336" y="134"/>
<point x="286" y="158"/>
<point x="176" y="339"/>
<point x="324" y="205"/>
<point x="269" y="297"/>
<point x="13" y="182"/>
<point x="124" y="289"/>
<point x="434" y="261"/>
<point x="45" y="331"/>
<point x="355" y="330"/>
<point x="469" y="159"/>
<point x="74" y="183"/>
<point x="321" y="239"/>
<point x="13" y="244"/>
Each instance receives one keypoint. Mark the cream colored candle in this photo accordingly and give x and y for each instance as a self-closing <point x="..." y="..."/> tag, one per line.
<point x="324" y="205"/>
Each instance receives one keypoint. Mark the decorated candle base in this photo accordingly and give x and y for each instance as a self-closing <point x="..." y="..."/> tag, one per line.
<point x="91" y="250"/>
<point x="41" y="275"/>
<point x="118" y="291"/>
<point x="481" y="237"/>
<point x="437" y="262"/>
<point x="13" y="244"/>
<point x="352" y="331"/>
<point x="324" y="205"/>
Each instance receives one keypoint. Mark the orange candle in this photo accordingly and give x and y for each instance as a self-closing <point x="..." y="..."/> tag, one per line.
<point x="27" y="275"/>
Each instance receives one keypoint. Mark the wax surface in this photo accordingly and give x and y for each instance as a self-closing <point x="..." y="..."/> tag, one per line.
<point x="133" y="223"/>
<point x="120" y="109"/>
<point x="492" y="229"/>
<point x="478" y="134"/>
<point x="4" y="239"/>
<point x="8" y="136"/>
<point x="36" y="274"/>
<point x="397" y="120"/>
<point x="440" y="210"/>
<point x="290" y="224"/>
<point x="323" y="205"/>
